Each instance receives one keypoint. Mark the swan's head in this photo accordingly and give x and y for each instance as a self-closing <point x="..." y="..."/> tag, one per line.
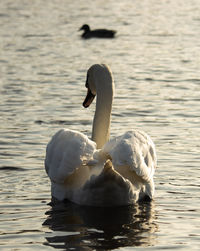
<point x="99" y="79"/>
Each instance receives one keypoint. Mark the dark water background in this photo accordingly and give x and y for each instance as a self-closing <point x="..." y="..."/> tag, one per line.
<point x="155" y="60"/>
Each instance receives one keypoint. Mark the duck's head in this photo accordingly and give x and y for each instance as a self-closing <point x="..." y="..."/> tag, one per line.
<point x="85" y="27"/>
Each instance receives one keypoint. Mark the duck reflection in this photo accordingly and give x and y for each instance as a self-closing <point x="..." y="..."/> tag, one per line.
<point x="89" y="228"/>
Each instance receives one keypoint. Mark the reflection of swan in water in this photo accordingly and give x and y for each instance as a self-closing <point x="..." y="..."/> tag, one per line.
<point x="121" y="173"/>
<point x="89" y="228"/>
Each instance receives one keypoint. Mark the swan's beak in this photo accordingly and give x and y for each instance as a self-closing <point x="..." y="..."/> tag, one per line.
<point x="88" y="99"/>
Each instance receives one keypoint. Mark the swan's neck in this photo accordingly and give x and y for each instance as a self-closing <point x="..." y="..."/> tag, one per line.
<point x="102" y="117"/>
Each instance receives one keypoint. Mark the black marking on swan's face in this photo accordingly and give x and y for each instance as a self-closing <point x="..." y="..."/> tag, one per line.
<point x="86" y="83"/>
<point x="90" y="96"/>
<point x="90" y="80"/>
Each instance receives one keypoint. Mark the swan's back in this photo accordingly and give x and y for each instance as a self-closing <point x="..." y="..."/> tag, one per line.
<point x="78" y="174"/>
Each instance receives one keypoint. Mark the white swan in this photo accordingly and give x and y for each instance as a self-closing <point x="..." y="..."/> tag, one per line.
<point x="121" y="173"/>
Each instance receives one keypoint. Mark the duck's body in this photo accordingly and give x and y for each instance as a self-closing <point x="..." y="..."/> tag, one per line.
<point x="101" y="172"/>
<point x="98" y="33"/>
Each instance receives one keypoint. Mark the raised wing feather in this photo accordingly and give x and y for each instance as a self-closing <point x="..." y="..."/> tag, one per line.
<point x="134" y="149"/>
<point x="66" y="152"/>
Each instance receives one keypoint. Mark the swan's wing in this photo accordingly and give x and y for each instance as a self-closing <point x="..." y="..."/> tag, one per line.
<point x="136" y="150"/>
<point x="67" y="151"/>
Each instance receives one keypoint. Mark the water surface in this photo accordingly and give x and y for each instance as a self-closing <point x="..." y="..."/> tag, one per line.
<point x="155" y="61"/>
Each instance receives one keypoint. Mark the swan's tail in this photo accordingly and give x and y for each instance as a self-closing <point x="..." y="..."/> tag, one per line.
<point x="108" y="188"/>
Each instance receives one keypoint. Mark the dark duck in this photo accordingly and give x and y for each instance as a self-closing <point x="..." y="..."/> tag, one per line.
<point x="98" y="33"/>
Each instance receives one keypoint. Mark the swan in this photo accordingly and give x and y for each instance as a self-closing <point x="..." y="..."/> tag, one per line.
<point x="98" y="33"/>
<point x="101" y="171"/>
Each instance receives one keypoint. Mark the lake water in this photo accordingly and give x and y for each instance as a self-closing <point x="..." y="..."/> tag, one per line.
<point x="155" y="59"/>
